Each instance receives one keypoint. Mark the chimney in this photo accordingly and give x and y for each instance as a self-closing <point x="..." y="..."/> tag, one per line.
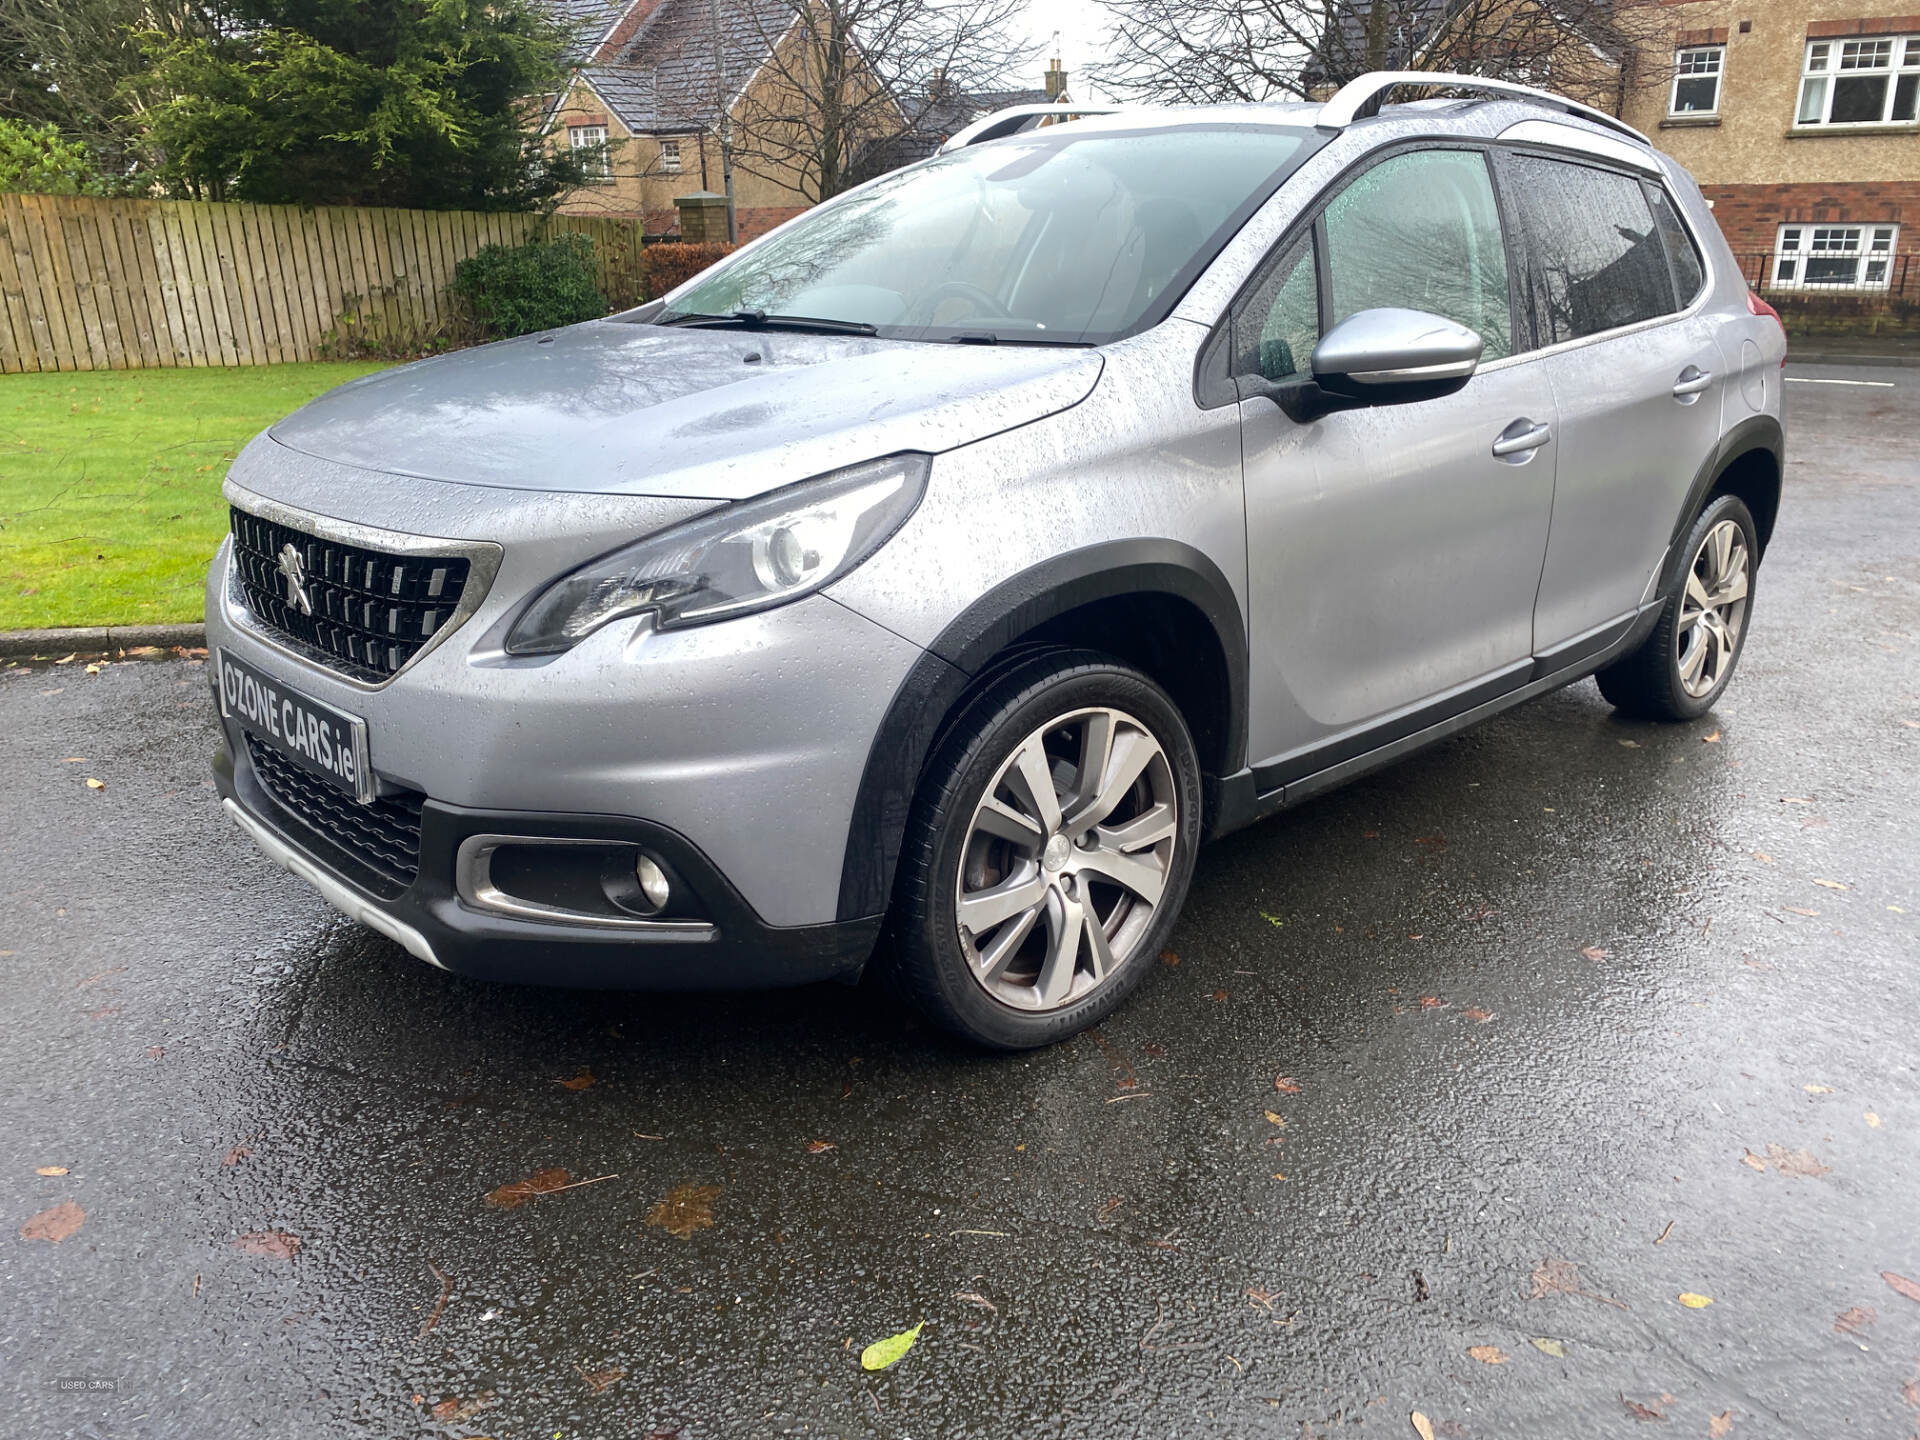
<point x="937" y="84"/>
<point x="1056" y="81"/>
<point x="607" y="52"/>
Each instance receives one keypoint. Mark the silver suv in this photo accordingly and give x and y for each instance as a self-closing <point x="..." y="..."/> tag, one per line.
<point x="926" y="581"/>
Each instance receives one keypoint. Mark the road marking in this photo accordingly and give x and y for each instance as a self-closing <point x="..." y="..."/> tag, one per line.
<point x="1869" y="384"/>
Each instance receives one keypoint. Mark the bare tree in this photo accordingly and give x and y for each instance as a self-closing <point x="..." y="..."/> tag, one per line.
<point x="75" y="62"/>
<point x="1200" y="51"/>
<point x="842" y="76"/>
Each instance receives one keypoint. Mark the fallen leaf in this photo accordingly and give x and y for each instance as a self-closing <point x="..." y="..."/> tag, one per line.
<point x="1422" y="1426"/>
<point x="972" y="1299"/>
<point x="580" y="1081"/>
<point x="1594" y="952"/>
<point x="820" y="1147"/>
<point x="68" y="659"/>
<point x="1550" y="1347"/>
<point x="236" y="1154"/>
<point x="685" y="1209"/>
<point x="1796" y="910"/>
<point x="1832" y="885"/>
<point x="1274" y="920"/>
<point x="1763" y="857"/>
<point x="1631" y="744"/>
<point x="1261" y="1297"/>
<point x="602" y="1380"/>
<point x="517" y="1192"/>
<point x="93" y="784"/>
<point x="1154" y="1050"/>
<point x="1436" y="841"/>
<point x="1639" y="1411"/>
<point x="1873" y="1119"/>
<point x="1562" y="1277"/>
<point x="1477" y="1015"/>
<point x="273" y="1244"/>
<point x="890" y="1351"/>
<point x="1713" y="739"/>
<point x="50" y="1170"/>
<point x="1286" y="1084"/>
<point x="1168" y="957"/>
<point x="1796" y="800"/>
<point x="1854" y="1319"/>
<point x="56" y="1224"/>
<point x="1219" y="995"/>
<point x="1818" y="1089"/>
<point x="1274" y="1119"/>
<point x="94" y="669"/>
<point x="1431" y="1002"/>
<point x="1488" y="1354"/>
<point x="1901" y="1285"/>
<point x="1801" y="1164"/>
<point x="1720" y="1426"/>
<point x="1693" y="1301"/>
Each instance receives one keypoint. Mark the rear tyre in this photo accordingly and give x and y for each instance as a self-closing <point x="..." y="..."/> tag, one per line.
<point x="1684" y="666"/>
<point x="1047" y="853"/>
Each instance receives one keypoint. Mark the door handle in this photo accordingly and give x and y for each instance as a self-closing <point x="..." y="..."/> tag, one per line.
<point x="1693" y="380"/>
<point x="1520" y="438"/>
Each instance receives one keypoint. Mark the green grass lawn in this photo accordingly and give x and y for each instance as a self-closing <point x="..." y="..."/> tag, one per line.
<point x="110" y="484"/>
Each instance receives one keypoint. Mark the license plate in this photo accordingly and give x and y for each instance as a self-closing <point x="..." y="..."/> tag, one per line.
<point x="319" y="739"/>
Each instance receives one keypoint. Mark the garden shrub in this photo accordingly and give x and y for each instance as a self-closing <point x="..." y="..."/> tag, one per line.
<point x="673" y="262"/>
<point x="514" y="290"/>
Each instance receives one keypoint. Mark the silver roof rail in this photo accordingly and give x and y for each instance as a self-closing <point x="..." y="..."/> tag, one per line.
<point x="1016" y="118"/>
<point x="1359" y="99"/>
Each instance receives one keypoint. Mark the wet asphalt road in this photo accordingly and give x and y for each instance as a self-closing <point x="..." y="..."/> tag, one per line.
<point x="1550" y="993"/>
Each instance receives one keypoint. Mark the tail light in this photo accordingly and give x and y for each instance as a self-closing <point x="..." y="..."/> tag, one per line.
<point x="1760" y="307"/>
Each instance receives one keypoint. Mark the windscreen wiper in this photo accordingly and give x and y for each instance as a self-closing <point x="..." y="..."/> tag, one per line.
<point x="761" y="320"/>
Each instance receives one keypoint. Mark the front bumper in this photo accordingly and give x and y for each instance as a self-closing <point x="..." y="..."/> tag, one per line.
<point x="734" y="949"/>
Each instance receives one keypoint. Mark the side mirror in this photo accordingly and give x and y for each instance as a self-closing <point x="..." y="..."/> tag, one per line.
<point x="1395" y="357"/>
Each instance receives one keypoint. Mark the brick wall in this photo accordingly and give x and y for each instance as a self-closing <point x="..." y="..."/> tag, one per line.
<point x="1750" y="216"/>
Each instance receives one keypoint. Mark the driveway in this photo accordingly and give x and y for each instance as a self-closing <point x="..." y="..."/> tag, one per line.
<point x="1455" y="1086"/>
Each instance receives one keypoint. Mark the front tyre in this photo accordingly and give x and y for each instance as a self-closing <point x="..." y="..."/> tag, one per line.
<point x="1684" y="666"/>
<point x="1048" y="852"/>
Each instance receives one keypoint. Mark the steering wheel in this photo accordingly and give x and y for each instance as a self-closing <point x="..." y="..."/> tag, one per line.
<point x="984" y="305"/>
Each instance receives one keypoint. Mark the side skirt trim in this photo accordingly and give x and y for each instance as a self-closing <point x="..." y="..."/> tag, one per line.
<point x="1243" y="800"/>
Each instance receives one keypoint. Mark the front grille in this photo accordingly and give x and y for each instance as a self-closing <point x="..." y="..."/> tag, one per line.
<point x="372" y="611"/>
<point x="382" y="839"/>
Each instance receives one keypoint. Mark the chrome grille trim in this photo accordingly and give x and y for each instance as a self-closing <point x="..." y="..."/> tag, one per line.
<point x="483" y="564"/>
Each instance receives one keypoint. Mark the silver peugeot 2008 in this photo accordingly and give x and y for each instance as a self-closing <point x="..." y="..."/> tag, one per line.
<point x="924" y="582"/>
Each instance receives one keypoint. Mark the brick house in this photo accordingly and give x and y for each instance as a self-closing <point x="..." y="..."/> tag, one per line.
<point x="649" y="81"/>
<point x="1801" y="121"/>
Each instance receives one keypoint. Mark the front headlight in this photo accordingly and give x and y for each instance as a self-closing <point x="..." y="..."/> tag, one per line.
<point x="732" y="561"/>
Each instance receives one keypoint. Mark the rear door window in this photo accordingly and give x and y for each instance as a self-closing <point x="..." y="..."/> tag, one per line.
<point x="1595" y="259"/>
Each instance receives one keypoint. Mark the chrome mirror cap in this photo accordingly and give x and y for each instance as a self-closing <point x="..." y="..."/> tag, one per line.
<point x="1377" y="348"/>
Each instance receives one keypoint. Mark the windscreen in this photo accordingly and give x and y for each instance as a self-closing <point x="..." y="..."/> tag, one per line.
<point x="1049" y="237"/>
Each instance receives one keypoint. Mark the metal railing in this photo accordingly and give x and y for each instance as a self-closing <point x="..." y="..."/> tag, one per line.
<point x="1901" y="280"/>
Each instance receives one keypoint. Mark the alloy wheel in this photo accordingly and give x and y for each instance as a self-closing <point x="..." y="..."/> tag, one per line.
<point x="1066" y="858"/>
<point x="1713" y="607"/>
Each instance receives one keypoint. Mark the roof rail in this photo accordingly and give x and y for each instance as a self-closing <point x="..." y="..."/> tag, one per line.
<point x="1359" y="99"/>
<point x="1016" y="118"/>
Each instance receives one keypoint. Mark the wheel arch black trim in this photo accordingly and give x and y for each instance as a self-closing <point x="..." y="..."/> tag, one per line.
<point x="1757" y="433"/>
<point x="987" y="629"/>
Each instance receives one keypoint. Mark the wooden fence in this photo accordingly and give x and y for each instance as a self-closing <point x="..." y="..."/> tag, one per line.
<point x="92" y="284"/>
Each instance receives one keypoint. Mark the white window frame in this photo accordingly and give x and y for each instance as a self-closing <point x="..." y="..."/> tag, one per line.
<point x="580" y="137"/>
<point x="1828" y="62"/>
<point x="1698" y="57"/>
<point x="670" y="155"/>
<point x="1870" y="247"/>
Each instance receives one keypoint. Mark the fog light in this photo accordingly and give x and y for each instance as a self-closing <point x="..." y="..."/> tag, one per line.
<point x="653" y="884"/>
